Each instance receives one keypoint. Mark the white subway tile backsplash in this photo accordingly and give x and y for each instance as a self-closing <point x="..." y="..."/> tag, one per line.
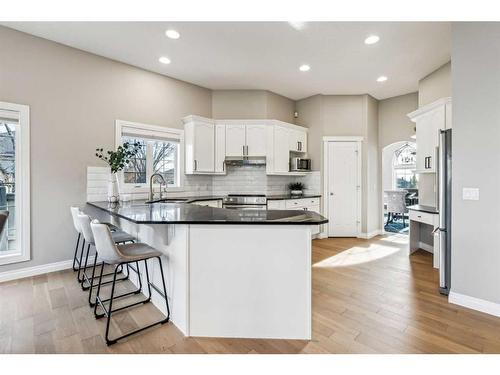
<point x="239" y="179"/>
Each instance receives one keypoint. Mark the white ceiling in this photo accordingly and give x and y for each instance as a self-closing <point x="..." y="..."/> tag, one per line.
<point x="266" y="55"/>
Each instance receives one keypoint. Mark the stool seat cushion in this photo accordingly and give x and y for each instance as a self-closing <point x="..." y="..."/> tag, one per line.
<point x="121" y="236"/>
<point x="137" y="251"/>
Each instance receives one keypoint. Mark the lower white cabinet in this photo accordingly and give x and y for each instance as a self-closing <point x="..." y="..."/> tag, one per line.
<point x="306" y="204"/>
<point x="217" y="203"/>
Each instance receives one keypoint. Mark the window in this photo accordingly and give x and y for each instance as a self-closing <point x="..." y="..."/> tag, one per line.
<point x="160" y="152"/>
<point x="404" y="164"/>
<point x="14" y="183"/>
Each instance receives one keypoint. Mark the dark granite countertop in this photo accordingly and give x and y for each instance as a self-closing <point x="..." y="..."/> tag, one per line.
<point x="423" y="208"/>
<point x="180" y="213"/>
<point x="278" y="197"/>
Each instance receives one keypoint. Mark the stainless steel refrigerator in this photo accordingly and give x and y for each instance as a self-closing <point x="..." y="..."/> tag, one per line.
<point x="444" y="206"/>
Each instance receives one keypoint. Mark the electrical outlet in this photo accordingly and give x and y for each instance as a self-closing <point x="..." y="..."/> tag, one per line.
<point x="470" y="194"/>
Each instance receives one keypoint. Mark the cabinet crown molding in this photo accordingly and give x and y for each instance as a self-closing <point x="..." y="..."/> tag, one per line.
<point x="196" y="118"/>
<point x="428" y="108"/>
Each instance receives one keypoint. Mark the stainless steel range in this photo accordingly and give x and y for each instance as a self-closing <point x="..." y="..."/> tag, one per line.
<point x="245" y="201"/>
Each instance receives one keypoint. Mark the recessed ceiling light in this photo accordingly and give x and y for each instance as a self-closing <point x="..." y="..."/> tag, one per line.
<point x="382" y="79"/>
<point x="172" y="34"/>
<point x="372" y="39"/>
<point x="164" y="60"/>
<point x="304" y="68"/>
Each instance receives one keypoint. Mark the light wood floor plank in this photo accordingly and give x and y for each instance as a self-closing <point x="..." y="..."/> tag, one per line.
<point x="368" y="296"/>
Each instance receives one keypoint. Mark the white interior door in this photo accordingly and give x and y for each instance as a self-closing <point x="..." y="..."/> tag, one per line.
<point x="343" y="189"/>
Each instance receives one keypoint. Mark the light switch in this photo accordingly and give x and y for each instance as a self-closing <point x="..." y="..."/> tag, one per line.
<point x="470" y="194"/>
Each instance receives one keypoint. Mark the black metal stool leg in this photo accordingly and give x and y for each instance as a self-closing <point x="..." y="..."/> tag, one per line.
<point x="110" y="309"/>
<point x="75" y="260"/>
<point x="164" y="290"/>
<point x="81" y="259"/>
<point x="92" y="281"/>
<point x="97" y="298"/>
<point x="108" y="312"/>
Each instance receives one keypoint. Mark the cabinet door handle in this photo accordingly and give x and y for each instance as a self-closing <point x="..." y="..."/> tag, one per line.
<point x="246" y="148"/>
<point x="223" y="166"/>
<point x="429" y="162"/>
<point x="195" y="165"/>
<point x="243" y="147"/>
<point x="300" y="146"/>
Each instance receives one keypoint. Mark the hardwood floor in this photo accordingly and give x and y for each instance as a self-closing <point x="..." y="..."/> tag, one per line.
<point x="368" y="297"/>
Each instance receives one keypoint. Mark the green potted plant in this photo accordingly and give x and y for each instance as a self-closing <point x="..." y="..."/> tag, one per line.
<point x="117" y="160"/>
<point x="296" y="188"/>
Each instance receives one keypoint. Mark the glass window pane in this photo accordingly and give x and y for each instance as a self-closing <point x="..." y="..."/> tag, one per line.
<point x="165" y="160"/>
<point x="135" y="171"/>
<point x="8" y="185"/>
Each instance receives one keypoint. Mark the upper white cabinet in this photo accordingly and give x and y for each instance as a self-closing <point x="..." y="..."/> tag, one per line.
<point x="199" y="143"/>
<point x="281" y="150"/>
<point x="220" y="148"/>
<point x="235" y="140"/>
<point x="430" y="119"/>
<point x="256" y="140"/>
<point x="297" y="140"/>
<point x="208" y="143"/>
<point x="245" y="140"/>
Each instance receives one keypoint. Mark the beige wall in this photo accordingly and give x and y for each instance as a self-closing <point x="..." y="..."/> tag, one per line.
<point x="251" y="104"/>
<point x="239" y="104"/>
<point x="372" y="166"/>
<point x="475" y="262"/>
<point x="435" y="86"/>
<point x="280" y="107"/>
<point x="394" y="124"/>
<point x="346" y="115"/>
<point x="74" y="98"/>
<point x="431" y="88"/>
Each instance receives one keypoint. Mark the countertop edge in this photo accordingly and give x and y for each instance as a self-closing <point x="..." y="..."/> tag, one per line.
<point x="209" y="222"/>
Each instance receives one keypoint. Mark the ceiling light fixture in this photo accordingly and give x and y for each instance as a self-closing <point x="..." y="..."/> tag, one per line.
<point x="382" y="79"/>
<point x="172" y="34"/>
<point x="372" y="39"/>
<point x="304" y="68"/>
<point x="164" y="60"/>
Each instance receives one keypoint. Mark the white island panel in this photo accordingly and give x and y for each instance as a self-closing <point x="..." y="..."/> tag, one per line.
<point x="250" y="281"/>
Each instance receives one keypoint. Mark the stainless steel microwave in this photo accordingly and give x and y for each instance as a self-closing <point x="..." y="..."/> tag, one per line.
<point x="299" y="164"/>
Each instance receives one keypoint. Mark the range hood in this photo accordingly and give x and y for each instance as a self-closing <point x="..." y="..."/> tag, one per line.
<point x="246" y="161"/>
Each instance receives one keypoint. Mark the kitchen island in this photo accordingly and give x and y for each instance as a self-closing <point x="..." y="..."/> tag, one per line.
<point x="230" y="273"/>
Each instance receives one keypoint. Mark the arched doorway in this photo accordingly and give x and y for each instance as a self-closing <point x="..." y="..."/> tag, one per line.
<point x="398" y="176"/>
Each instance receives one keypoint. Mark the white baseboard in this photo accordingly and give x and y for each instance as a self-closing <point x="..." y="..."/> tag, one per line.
<point x="426" y="247"/>
<point x="38" y="270"/>
<point x="474" y="303"/>
<point x="371" y="234"/>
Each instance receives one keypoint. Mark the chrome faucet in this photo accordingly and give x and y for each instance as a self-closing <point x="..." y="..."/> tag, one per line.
<point x="151" y="192"/>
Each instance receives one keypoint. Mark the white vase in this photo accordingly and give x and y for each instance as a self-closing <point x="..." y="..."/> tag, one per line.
<point x="113" y="189"/>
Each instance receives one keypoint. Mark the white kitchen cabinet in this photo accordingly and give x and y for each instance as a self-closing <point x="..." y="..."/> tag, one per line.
<point x="256" y="140"/>
<point x="297" y="140"/>
<point x="208" y="143"/>
<point x="235" y="140"/>
<point x="217" y="203"/>
<point x="220" y="148"/>
<point x="281" y="150"/>
<point x="199" y="143"/>
<point x="276" y="204"/>
<point x="429" y="120"/>
<point x="301" y="204"/>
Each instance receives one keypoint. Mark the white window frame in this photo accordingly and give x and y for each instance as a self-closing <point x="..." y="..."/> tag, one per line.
<point x="146" y="130"/>
<point x="411" y="167"/>
<point x="21" y="113"/>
